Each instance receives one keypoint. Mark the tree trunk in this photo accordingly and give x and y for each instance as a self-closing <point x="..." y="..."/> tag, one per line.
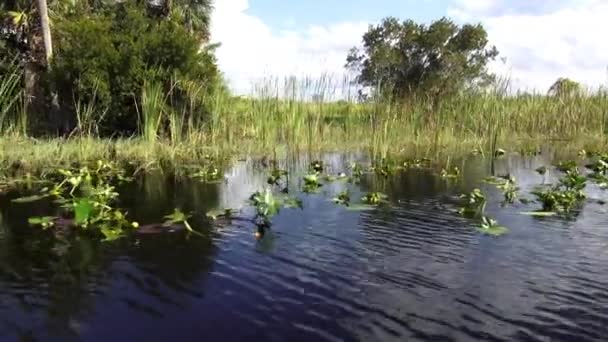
<point x="46" y="29"/>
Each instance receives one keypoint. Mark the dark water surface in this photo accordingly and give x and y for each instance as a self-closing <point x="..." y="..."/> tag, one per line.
<point x="412" y="270"/>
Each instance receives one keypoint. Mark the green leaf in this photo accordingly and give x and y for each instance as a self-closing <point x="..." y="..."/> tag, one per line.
<point x="360" y="207"/>
<point x="44" y="221"/>
<point x="493" y="230"/>
<point x="539" y="213"/>
<point x="83" y="208"/>
<point x="29" y="199"/>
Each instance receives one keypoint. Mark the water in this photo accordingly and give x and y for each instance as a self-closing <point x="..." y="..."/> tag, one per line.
<point x="413" y="270"/>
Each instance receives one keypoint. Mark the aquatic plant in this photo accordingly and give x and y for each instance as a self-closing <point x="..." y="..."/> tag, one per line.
<point x="317" y="166"/>
<point x="343" y="198"/>
<point x="178" y="217"/>
<point x="453" y="173"/>
<point x="541" y="170"/>
<point x="311" y="183"/>
<point x="474" y="204"/>
<point x="275" y="176"/>
<point x="87" y="195"/>
<point x="374" y="198"/>
<point x="215" y="214"/>
<point x="208" y="174"/>
<point x="564" y="196"/>
<point x="385" y="167"/>
<point x="509" y="189"/>
<point x="266" y="206"/>
<point x="567" y="165"/>
<point x="491" y="227"/>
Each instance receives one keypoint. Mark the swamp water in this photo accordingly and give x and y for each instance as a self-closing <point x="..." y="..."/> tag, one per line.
<point x="412" y="269"/>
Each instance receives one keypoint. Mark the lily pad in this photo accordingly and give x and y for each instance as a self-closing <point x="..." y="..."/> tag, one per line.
<point x="360" y="207"/>
<point x="539" y="213"/>
<point x="493" y="231"/>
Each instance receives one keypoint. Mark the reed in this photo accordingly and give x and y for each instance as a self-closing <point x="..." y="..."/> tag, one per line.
<point x="319" y="114"/>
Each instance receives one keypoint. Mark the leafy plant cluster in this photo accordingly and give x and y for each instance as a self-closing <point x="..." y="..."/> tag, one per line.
<point x="88" y="199"/>
<point x="474" y="206"/>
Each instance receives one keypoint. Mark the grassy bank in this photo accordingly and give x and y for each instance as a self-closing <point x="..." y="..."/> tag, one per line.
<point x="283" y="115"/>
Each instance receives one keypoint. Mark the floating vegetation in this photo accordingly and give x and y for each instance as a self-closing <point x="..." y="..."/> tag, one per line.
<point x="374" y="198"/>
<point x="542" y="170"/>
<point x="317" y="166"/>
<point x="312" y="183"/>
<point x="499" y="152"/>
<point x="266" y="206"/>
<point x="178" y="217"/>
<point x="332" y="178"/>
<point x="565" y="166"/>
<point x="564" y="196"/>
<point x="86" y="194"/>
<point x="385" y="168"/>
<point x="276" y="176"/>
<point x="417" y="163"/>
<point x="509" y="190"/>
<point x="474" y="204"/>
<point x="490" y="226"/>
<point x="208" y="174"/>
<point x="221" y="213"/>
<point x="43" y="221"/>
<point x="343" y="198"/>
<point x="450" y="174"/>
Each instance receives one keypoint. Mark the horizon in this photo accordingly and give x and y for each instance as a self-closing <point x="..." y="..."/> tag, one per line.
<point x="538" y="42"/>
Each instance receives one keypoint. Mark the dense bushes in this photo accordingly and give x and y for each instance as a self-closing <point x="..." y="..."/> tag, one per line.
<point x="104" y="58"/>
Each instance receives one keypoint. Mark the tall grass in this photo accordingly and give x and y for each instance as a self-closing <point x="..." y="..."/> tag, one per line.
<point x="321" y="114"/>
<point x="11" y="100"/>
<point x="153" y="105"/>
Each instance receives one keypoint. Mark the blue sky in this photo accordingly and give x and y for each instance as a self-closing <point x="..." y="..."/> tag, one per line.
<point x="540" y="40"/>
<point x="302" y="13"/>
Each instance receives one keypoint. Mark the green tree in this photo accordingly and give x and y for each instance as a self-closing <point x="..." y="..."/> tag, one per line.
<point x="405" y="58"/>
<point x="105" y="57"/>
<point x="565" y="87"/>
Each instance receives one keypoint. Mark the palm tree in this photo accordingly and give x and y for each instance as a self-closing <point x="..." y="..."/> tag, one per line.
<point x="196" y="14"/>
<point x="45" y="26"/>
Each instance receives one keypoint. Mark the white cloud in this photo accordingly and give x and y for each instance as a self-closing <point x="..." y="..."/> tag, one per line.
<point x="544" y="40"/>
<point x="250" y="50"/>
